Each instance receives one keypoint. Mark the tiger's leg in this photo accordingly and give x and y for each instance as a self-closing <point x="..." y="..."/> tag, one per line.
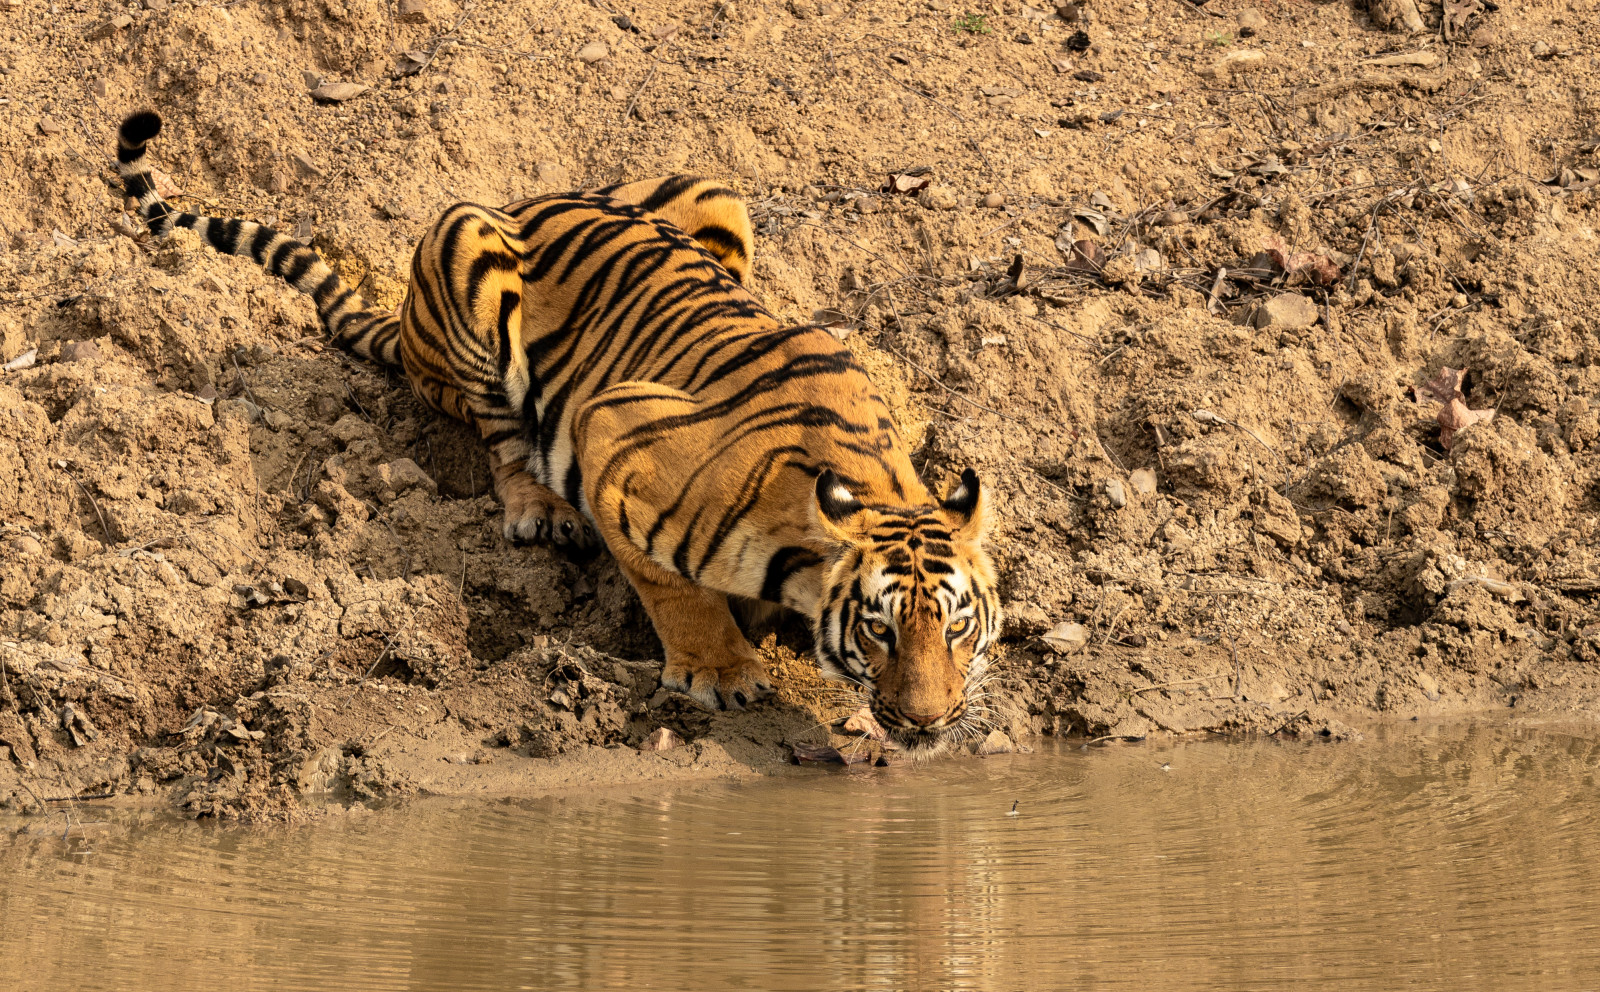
<point x="464" y="357"/>
<point x="628" y="486"/>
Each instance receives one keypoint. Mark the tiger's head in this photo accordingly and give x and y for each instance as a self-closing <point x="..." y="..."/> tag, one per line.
<point x="908" y="608"/>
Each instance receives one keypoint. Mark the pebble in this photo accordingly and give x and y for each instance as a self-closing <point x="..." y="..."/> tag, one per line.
<point x="1116" y="493"/>
<point x="80" y="351"/>
<point x="414" y="11"/>
<point x="939" y="198"/>
<point x="993" y="200"/>
<point x="27" y="545"/>
<point x="157" y="5"/>
<point x="1174" y="218"/>
<point x="1143" y="481"/>
<point x="593" y="52"/>
<point x="661" y="739"/>
<point x="312" y="79"/>
<point x="996" y="743"/>
<point x="1251" y="21"/>
<point x="1287" y="311"/>
<point x="48" y="126"/>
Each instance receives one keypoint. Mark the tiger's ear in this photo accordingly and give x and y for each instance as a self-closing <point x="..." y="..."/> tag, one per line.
<point x="835" y="509"/>
<point x="967" y="507"/>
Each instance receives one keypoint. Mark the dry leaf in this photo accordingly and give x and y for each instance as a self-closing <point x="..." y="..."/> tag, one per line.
<point x="409" y="63"/>
<point x="825" y="754"/>
<point x="1087" y="257"/>
<point x="863" y="722"/>
<point x="1454" y="416"/>
<point x="1093" y="218"/>
<point x="338" y="92"/>
<point x="1446" y="386"/>
<point x="1456" y="15"/>
<point x="909" y="181"/>
<point x="1066" y="637"/>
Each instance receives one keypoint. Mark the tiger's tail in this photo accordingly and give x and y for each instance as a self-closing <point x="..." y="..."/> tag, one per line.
<point x="355" y="325"/>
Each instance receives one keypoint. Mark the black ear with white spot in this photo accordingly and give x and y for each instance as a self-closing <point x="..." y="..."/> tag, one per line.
<point x="835" y="503"/>
<point x="968" y="507"/>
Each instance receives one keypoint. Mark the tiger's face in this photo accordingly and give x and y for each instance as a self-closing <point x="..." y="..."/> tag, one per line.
<point x="909" y="609"/>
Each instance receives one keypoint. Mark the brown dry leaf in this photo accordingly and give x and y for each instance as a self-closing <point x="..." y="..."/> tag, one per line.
<point x="338" y="92"/>
<point x="1302" y="266"/>
<point x="1446" y="386"/>
<point x="409" y="63"/>
<point x="825" y="754"/>
<point x="1066" y="637"/>
<point x="907" y="182"/>
<point x="1086" y="257"/>
<point x="1456" y="15"/>
<point x="863" y="722"/>
<point x="165" y="187"/>
<point x="1454" y="416"/>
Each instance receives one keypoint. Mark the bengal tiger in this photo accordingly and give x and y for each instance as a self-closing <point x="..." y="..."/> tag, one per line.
<point x="632" y="391"/>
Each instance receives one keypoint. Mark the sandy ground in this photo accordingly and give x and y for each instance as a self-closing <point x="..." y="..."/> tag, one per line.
<point x="1185" y="284"/>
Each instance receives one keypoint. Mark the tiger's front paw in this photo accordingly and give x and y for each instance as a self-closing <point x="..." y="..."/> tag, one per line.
<point x="535" y="513"/>
<point x="726" y="684"/>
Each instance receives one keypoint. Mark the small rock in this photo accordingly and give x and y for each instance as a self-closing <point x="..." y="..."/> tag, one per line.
<point x="48" y="126"/>
<point x="992" y="200"/>
<point x="661" y="739"/>
<point x="553" y="174"/>
<point x="106" y="29"/>
<point x="80" y="351"/>
<point x="259" y="79"/>
<point x="295" y="587"/>
<point x="276" y="419"/>
<point x="100" y="88"/>
<point x="1287" y="311"/>
<point x="206" y="394"/>
<point x="27" y="545"/>
<point x="312" y="79"/>
<point x="1428" y="685"/>
<point x="1116" y="493"/>
<point x="996" y="743"/>
<point x="215" y="284"/>
<point x="1541" y="48"/>
<point x="338" y="92"/>
<point x="939" y="198"/>
<point x="662" y="32"/>
<point x="1143" y="481"/>
<point x="1174" y="218"/>
<point x="1066" y="637"/>
<point x="414" y="11"/>
<point x="403" y="474"/>
<point x="593" y="52"/>
<point x="1251" y="21"/>
<point x="304" y="165"/>
<point x="156" y="5"/>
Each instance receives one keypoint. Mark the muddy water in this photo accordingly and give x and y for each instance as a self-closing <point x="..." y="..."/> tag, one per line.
<point x="1420" y="858"/>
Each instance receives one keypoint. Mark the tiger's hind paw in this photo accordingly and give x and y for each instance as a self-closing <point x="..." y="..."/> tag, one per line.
<point x="730" y="686"/>
<point x="535" y="513"/>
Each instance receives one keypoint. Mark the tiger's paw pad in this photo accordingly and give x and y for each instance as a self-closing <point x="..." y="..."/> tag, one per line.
<point x="730" y="687"/>
<point x="535" y="516"/>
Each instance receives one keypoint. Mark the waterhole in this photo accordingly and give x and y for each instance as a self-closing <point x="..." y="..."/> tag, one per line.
<point x="1445" y="858"/>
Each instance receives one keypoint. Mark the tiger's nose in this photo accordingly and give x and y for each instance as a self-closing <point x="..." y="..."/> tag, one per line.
<point x="923" y="718"/>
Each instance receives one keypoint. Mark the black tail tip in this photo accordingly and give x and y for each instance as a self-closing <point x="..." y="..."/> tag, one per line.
<point x="140" y="128"/>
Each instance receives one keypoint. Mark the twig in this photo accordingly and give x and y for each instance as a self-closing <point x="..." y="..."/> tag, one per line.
<point x="92" y="502"/>
<point x="1170" y="685"/>
<point x="1238" y="667"/>
<point x="936" y="381"/>
<point x="626" y="114"/>
<point x="234" y="358"/>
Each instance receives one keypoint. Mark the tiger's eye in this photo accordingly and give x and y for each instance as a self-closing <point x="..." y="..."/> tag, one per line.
<point x="878" y="628"/>
<point x="959" y="625"/>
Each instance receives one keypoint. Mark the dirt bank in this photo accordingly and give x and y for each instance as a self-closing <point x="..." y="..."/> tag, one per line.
<point x="1177" y="287"/>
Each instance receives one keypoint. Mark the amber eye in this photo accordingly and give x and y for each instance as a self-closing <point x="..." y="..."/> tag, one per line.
<point x="878" y="628"/>
<point x="958" y="626"/>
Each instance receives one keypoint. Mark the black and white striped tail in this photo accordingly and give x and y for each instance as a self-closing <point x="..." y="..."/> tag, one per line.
<point x="355" y="325"/>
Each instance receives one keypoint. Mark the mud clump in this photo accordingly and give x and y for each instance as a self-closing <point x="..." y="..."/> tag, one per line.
<point x="243" y="573"/>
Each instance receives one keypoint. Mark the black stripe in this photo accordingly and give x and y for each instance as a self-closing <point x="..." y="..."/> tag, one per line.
<point x="667" y="192"/>
<point x="784" y="563"/>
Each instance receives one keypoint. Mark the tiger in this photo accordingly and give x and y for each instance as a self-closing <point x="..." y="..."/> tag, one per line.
<point x="633" y="393"/>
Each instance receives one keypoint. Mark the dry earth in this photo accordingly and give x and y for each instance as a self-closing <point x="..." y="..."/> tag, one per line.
<point x="1175" y="287"/>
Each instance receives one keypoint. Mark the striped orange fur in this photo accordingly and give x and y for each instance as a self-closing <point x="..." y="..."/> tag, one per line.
<point x="632" y="391"/>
